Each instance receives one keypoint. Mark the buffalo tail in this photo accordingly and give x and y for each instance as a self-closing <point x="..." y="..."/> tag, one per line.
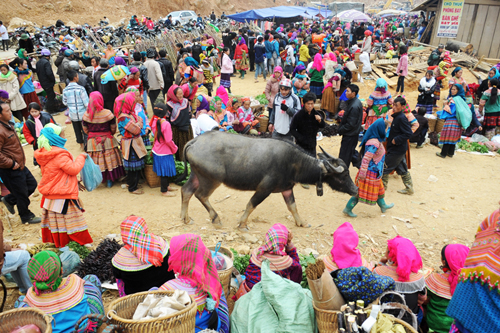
<point x="184" y="175"/>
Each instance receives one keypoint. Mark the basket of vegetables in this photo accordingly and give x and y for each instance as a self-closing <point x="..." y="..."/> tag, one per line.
<point x="152" y="178"/>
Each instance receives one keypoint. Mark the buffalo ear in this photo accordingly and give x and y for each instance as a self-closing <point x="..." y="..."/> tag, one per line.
<point x="332" y="168"/>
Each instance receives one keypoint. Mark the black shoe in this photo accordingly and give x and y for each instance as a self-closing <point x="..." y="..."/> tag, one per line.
<point x="33" y="220"/>
<point x="9" y="207"/>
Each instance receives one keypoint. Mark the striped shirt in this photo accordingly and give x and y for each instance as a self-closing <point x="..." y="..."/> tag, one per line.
<point x="76" y="99"/>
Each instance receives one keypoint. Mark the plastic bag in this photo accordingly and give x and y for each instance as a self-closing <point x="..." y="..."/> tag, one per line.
<point x="91" y="174"/>
<point x="478" y="138"/>
<point x="31" y="328"/>
<point x="70" y="261"/>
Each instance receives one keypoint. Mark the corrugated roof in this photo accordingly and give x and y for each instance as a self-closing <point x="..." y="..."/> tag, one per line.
<point x="424" y="5"/>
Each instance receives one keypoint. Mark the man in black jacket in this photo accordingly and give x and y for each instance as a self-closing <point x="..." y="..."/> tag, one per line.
<point x="227" y="38"/>
<point x="305" y="125"/>
<point x="170" y="77"/>
<point x="360" y="32"/>
<point x="47" y="79"/>
<point x="251" y="51"/>
<point x="397" y="144"/>
<point x="350" y="126"/>
<point x="109" y="91"/>
<point x="144" y="74"/>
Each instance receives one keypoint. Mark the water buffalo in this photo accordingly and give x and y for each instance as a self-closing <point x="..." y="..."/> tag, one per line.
<point x="262" y="165"/>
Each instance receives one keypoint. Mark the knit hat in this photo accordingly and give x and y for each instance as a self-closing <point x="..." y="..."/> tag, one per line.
<point x="4" y="94"/>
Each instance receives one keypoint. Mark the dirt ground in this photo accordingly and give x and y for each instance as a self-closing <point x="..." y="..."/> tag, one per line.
<point x="446" y="211"/>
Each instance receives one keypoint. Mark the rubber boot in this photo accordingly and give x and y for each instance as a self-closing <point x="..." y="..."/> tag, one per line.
<point x="350" y="205"/>
<point x="385" y="180"/>
<point x="383" y="206"/>
<point x="408" y="184"/>
<point x="242" y="74"/>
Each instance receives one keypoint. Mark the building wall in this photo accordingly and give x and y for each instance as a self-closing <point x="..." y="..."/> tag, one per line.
<point x="480" y="20"/>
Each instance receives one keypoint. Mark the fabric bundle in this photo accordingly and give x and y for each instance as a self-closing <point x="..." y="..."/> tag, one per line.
<point x="115" y="73"/>
<point x="154" y="306"/>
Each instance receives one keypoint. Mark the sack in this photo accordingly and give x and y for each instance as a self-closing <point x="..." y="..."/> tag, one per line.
<point x="91" y="174"/>
<point x="325" y="294"/>
<point x="69" y="260"/>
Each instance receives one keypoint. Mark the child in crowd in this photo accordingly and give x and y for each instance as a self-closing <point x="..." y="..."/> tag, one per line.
<point x="300" y="82"/>
<point x="402" y="69"/>
<point x="34" y="124"/>
<point x="208" y="73"/>
<point x="232" y="114"/>
<point x="76" y="99"/>
<point x="163" y="150"/>
<point x="246" y="117"/>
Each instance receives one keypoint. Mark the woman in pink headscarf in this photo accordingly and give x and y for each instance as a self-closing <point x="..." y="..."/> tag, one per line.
<point x="402" y="262"/>
<point x="192" y="263"/>
<point x="280" y="251"/>
<point x="273" y="86"/>
<point x="441" y="287"/>
<point x="316" y="74"/>
<point x="344" y="252"/>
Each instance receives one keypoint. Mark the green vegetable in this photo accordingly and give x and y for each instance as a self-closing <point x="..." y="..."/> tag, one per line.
<point x="149" y="157"/>
<point x="81" y="250"/>
<point x="262" y="99"/>
<point x="179" y="169"/>
<point x="472" y="146"/>
<point x="232" y="131"/>
<point x="304" y="262"/>
<point x="241" y="262"/>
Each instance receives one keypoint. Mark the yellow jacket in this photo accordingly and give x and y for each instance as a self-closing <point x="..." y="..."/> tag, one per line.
<point x="304" y="53"/>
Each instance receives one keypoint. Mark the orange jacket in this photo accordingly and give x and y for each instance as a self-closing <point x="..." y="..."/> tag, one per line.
<point x="59" y="173"/>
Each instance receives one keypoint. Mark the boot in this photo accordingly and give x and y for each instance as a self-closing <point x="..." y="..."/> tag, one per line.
<point x="385" y="180"/>
<point x="383" y="206"/>
<point x="350" y="205"/>
<point x="408" y="183"/>
<point x="242" y="74"/>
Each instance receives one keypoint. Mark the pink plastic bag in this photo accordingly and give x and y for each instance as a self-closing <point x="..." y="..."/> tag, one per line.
<point x="31" y="328"/>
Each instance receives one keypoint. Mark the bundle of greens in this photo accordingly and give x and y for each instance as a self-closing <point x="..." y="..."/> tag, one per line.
<point x="304" y="262"/>
<point x="241" y="262"/>
<point x="472" y="146"/>
<point x="262" y="99"/>
<point x="81" y="250"/>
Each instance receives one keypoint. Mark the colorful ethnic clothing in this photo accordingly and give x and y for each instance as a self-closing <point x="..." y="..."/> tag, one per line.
<point x="378" y="102"/>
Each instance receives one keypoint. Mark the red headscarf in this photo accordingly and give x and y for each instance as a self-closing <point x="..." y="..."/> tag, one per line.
<point x="344" y="251"/>
<point x="405" y="255"/>
<point x="96" y="103"/>
<point x="125" y="103"/>
<point x="455" y="255"/>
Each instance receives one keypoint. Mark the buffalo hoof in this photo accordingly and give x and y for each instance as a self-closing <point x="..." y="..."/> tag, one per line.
<point x="305" y="225"/>
<point x="243" y="228"/>
<point x="189" y="222"/>
<point x="217" y="225"/>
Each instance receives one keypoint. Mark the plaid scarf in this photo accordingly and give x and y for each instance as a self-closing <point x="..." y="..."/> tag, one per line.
<point x="45" y="269"/>
<point x="276" y="240"/>
<point x="147" y="247"/>
<point x="192" y="261"/>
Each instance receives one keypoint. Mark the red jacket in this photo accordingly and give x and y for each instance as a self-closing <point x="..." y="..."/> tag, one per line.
<point x="238" y="53"/>
<point x="59" y="173"/>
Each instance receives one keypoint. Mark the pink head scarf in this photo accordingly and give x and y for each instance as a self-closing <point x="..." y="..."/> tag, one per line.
<point x="405" y="255"/>
<point x="222" y="93"/>
<point x="276" y="241"/>
<point x="455" y="255"/>
<point x="345" y="242"/>
<point x="317" y="65"/>
<point x="125" y="103"/>
<point x="278" y="69"/>
<point x="192" y="261"/>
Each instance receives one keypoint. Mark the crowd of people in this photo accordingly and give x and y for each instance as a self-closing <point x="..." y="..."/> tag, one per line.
<point x="302" y="64"/>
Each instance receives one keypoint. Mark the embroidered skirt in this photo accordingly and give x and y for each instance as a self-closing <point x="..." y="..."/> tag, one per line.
<point x="317" y="88"/>
<point x="451" y="132"/>
<point x="225" y="80"/>
<point x="180" y="138"/>
<point x="370" y="189"/>
<point x="134" y="163"/>
<point x="164" y="165"/>
<point x="108" y="157"/>
<point x="491" y="120"/>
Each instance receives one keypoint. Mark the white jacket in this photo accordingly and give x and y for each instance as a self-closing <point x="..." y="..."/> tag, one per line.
<point x="11" y="85"/>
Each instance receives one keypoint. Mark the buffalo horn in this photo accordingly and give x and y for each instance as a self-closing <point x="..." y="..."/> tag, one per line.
<point x="326" y="154"/>
<point x="337" y="169"/>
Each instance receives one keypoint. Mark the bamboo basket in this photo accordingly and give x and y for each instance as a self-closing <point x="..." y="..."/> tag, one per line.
<point x="439" y="125"/>
<point x="12" y="319"/>
<point x="432" y="124"/>
<point x="225" y="275"/>
<point x="152" y="178"/>
<point x="122" y="309"/>
<point x="264" y="122"/>
<point x="327" y="321"/>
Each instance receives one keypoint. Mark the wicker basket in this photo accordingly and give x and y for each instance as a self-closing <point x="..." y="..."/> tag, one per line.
<point x="439" y="125"/>
<point x="225" y="275"/>
<point x="432" y="124"/>
<point x="264" y="122"/>
<point x="152" y="178"/>
<point x="12" y="319"/>
<point x="122" y="309"/>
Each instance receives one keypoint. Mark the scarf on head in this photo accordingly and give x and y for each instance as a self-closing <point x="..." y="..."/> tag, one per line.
<point x="375" y="131"/>
<point x="174" y="102"/>
<point x="241" y="41"/>
<point x="125" y="103"/>
<point x="456" y="70"/>
<point x="45" y="270"/>
<point x="189" y="61"/>
<point x="381" y="85"/>
<point x="405" y="255"/>
<point x="147" y="247"/>
<point x="276" y="241"/>
<point x="49" y="136"/>
<point x="192" y="261"/>
<point x="120" y="61"/>
<point x="213" y="104"/>
<point x="280" y="70"/>
<point x="317" y="65"/>
<point x="455" y="255"/>
<point x="297" y="70"/>
<point x="204" y="105"/>
<point x="96" y="104"/>
<point x="344" y="251"/>
<point x="497" y="73"/>
<point x="38" y="125"/>
<point x="460" y="93"/>
<point x="222" y="93"/>
<point x="20" y="54"/>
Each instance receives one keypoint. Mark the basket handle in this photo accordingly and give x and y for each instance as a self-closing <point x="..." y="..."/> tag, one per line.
<point x="99" y="319"/>
<point x="393" y="293"/>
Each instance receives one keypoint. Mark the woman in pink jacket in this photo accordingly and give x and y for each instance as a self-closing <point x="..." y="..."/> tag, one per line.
<point x="226" y="70"/>
<point x="402" y="69"/>
<point x="163" y="149"/>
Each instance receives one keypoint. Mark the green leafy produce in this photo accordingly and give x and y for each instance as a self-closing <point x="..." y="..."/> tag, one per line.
<point x="304" y="262"/>
<point x="232" y="131"/>
<point x="262" y="99"/>
<point x="241" y="262"/>
<point x="81" y="250"/>
<point x="473" y="146"/>
<point x="149" y="157"/>
<point x="179" y="169"/>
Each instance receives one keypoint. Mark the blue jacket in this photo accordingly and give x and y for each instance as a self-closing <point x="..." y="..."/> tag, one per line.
<point x="269" y="49"/>
<point x="276" y="47"/>
<point x="260" y="53"/>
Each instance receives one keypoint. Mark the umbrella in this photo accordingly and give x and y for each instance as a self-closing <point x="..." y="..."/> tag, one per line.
<point x="353" y="15"/>
<point x="115" y="73"/>
<point x="393" y="12"/>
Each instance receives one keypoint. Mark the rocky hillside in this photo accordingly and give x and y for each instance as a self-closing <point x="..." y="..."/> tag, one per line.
<point x="44" y="12"/>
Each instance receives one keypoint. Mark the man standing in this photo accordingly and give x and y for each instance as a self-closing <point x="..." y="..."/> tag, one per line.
<point x="397" y="144"/>
<point x="286" y="104"/>
<point x="350" y="126"/>
<point x="155" y="77"/>
<point x="213" y="17"/>
<point x="170" y="77"/>
<point x="137" y="56"/>
<point x="5" y="36"/>
<point x="260" y="56"/>
<point x="251" y="51"/>
<point x="305" y="125"/>
<point x="47" y="79"/>
<point x="109" y="91"/>
<point x="15" y="176"/>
